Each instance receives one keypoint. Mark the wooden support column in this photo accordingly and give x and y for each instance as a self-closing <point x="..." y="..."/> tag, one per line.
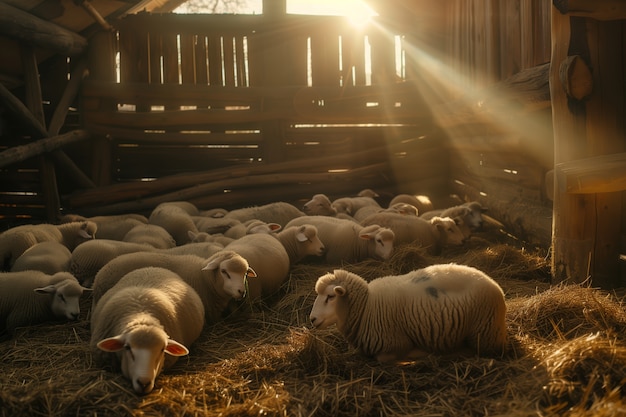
<point x="586" y="221"/>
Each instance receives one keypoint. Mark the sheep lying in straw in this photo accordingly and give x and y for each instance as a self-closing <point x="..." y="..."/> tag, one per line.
<point x="217" y="280"/>
<point x="348" y="241"/>
<point x="149" y="313"/>
<point x="437" y="309"/>
<point x="16" y="240"/>
<point x="30" y="297"/>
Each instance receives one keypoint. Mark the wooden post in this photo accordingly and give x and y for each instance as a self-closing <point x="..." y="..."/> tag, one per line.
<point x="586" y="227"/>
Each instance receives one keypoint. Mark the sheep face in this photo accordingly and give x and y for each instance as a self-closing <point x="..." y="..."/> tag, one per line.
<point x="382" y="239"/>
<point x="475" y="217"/>
<point x="309" y="242"/>
<point x="64" y="301"/>
<point x="234" y="272"/>
<point x="88" y="230"/>
<point x="326" y="306"/>
<point x="343" y="206"/>
<point x="142" y="354"/>
<point x="319" y="205"/>
<point x="449" y="231"/>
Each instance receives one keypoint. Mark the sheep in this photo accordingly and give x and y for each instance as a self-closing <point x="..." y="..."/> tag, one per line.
<point x="150" y="234"/>
<point x="278" y="212"/>
<point x="319" y="205"/>
<point x="31" y="297"/>
<point x="350" y="205"/>
<point x="422" y="202"/>
<point x="348" y="241"/>
<point x="433" y="235"/>
<point x="145" y="323"/>
<point x="300" y="242"/>
<point x="48" y="257"/>
<point x="110" y="227"/>
<point x="218" y="238"/>
<point x="14" y="241"/>
<point x="470" y="212"/>
<point x="269" y="259"/>
<point x="88" y="258"/>
<point x="173" y="218"/>
<point x="368" y="192"/>
<point x="444" y="308"/>
<point x="217" y="280"/>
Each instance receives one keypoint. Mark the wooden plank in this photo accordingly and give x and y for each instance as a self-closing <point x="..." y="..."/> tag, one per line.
<point x="201" y="59"/>
<point x="600" y="174"/>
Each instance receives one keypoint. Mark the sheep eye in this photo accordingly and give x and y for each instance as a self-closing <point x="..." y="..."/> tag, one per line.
<point x="329" y="297"/>
<point x="62" y="297"/>
<point x="225" y="273"/>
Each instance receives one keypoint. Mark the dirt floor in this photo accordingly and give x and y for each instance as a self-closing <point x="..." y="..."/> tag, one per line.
<point x="567" y="356"/>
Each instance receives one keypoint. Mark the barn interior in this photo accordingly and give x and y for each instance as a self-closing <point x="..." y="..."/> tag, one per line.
<point x="115" y="106"/>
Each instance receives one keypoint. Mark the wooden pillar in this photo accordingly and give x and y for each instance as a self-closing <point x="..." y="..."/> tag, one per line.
<point x="101" y="64"/>
<point x="586" y="225"/>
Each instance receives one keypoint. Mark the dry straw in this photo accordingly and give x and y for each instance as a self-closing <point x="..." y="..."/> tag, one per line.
<point x="567" y="356"/>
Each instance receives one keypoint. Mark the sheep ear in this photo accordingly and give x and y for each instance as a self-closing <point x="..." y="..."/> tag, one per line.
<point x="48" y="289"/>
<point x="369" y="232"/>
<point x="215" y="261"/>
<point x="111" y="344"/>
<point x="191" y="234"/>
<point x="300" y="236"/>
<point x="251" y="273"/>
<point x="458" y="221"/>
<point x="176" y="349"/>
<point x="339" y="290"/>
<point x="274" y="227"/>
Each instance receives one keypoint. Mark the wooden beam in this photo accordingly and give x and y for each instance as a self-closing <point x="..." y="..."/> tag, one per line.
<point x="19" y="110"/>
<point x="20" y="153"/>
<point x="600" y="174"/>
<point x="576" y="77"/>
<point x="25" y="27"/>
<point x="595" y="9"/>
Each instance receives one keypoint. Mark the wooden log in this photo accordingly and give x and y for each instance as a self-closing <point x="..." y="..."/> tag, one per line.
<point x="19" y="110"/>
<point x="595" y="9"/>
<point x="124" y="191"/>
<point x="599" y="174"/>
<point x="203" y="191"/>
<point x="576" y="77"/>
<point x="25" y="27"/>
<point x="20" y="153"/>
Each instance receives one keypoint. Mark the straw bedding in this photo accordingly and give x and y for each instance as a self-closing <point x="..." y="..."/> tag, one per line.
<point x="567" y="356"/>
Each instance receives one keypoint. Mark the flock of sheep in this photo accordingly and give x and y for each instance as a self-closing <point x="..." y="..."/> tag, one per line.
<point x="156" y="282"/>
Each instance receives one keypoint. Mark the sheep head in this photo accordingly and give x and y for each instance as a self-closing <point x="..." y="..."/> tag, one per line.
<point x="142" y="352"/>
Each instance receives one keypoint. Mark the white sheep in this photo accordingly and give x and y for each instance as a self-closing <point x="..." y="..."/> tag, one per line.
<point x="471" y="213"/>
<point x="347" y="241"/>
<point x="88" y="258"/>
<point x="31" y="297"/>
<point x="438" y="309"/>
<point x="278" y="212"/>
<point x="269" y="259"/>
<point x="350" y="205"/>
<point x="150" y="234"/>
<point x="48" y="257"/>
<point x="217" y="280"/>
<point x="174" y="218"/>
<point x="112" y="226"/>
<point x="144" y="323"/>
<point x="421" y="202"/>
<point x="15" y="241"/>
<point x="434" y="235"/>
<point x="217" y="238"/>
<point x="300" y="242"/>
<point x="319" y="205"/>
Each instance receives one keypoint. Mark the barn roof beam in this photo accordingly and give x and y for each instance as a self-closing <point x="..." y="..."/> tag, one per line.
<point x="25" y="27"/>
<point x="595" y="9"/>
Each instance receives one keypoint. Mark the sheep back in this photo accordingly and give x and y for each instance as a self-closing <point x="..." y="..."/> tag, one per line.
<point x="278" y="212"/>
<point x="48" y="257"/>
<point x="268" y="258"/>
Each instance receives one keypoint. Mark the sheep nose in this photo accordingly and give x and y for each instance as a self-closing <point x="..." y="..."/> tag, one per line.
<point x="74" y="316"/>
<point x="144" y="385"/>
<point x="313" y="320"/>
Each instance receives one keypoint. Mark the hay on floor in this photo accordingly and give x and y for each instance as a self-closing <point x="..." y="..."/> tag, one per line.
<point x="567" y="356"/>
